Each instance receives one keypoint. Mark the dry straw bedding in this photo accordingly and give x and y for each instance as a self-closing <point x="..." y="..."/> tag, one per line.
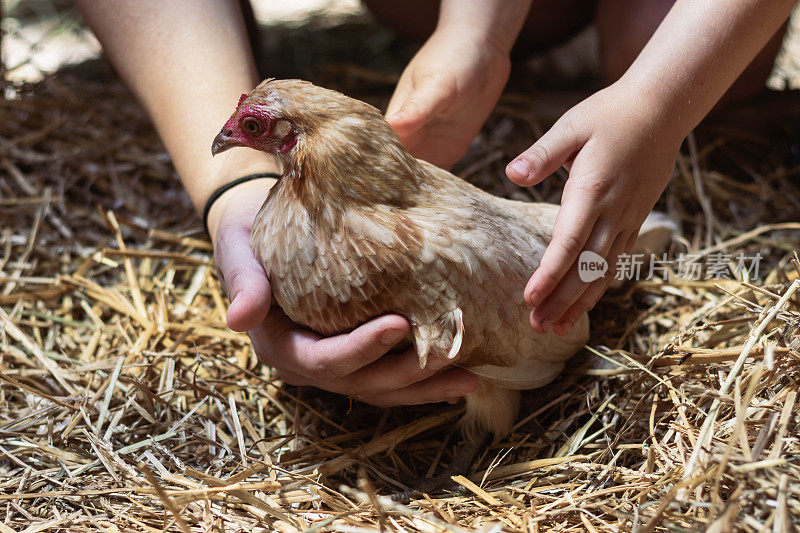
<point x="126" y="404"/>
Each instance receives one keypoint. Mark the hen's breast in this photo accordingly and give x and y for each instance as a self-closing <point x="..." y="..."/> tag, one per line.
<point x="332" y="277"/>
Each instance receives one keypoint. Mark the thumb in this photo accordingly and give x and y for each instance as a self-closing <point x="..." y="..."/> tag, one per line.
<point x="407" y="113"/>
<point x="545" y="156"/>
<point x="243" y="276"/>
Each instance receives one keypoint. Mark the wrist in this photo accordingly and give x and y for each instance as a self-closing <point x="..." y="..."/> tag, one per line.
<point x="656" y="115"/>
<point x="493" y="22"/>
<point x="239" y="205"/>
<point x="237" y="162"/>
<point x="456" y="36"/>
<point x="486" y="32"/>
<point x="458" y="33"/>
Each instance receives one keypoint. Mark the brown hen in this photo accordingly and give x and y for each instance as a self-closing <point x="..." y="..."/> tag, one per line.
<point x="357" y="227"/>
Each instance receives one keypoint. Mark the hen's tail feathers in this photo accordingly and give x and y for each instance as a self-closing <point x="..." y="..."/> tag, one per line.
<point x="441" y="337"/>
<point x="655" y="236"/>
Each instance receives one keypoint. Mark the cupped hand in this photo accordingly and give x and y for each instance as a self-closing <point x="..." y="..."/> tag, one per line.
<point x="620" y="152"/>
<point x="357" y="364"/>
<point x="446" y="93"/>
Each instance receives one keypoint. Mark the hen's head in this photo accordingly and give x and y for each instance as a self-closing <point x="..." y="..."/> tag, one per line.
<point x="332" y="146"/>
<point x="279" y="114"/>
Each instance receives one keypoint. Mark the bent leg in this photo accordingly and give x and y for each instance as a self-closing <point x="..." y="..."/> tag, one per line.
<point x="549" y="22"/>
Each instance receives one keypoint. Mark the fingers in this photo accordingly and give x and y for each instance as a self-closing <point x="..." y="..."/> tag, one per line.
<point x="590" y="219"/>
<point x="357" y="364"/>
<point x="390" y="372"/>
<point x="283" y="344"/>
<point x="575" y="219"/>
<point x="573" y="226"/>
<point x="614" y="258"/>
<point x="593" y="291"/>
<point x="410" y="110"/>
<point x="395" y="379"/>
<point x="547" y="155"/>
<point x="335" y="357"/>
<point x="446" y="386"/>
<point x="243" y="277"/>
<point x="573" y="286"/>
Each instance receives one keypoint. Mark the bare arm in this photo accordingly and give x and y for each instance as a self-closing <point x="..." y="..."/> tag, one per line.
<point x="499" y="21"/>
<point x="187" y="61"/>
<point x="621" y="143"/>
<point x="697" y="53"/>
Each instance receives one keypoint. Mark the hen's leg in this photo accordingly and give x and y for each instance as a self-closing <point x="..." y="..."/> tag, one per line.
<point x="461" y="463"/>
<point x="491" y="411"/>
<point x="490" y="408"/>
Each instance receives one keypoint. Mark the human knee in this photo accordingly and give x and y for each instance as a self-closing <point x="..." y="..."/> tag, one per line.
<point x="624" y="27"/>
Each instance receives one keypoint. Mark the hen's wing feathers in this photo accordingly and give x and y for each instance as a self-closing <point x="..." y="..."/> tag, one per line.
<point x="442" y="337"/>
<point x="454" y="265"/>
<point x="477" y="255"/>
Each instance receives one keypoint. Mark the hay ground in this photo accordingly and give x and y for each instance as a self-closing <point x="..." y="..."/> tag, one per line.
<point x="126" y="404"/>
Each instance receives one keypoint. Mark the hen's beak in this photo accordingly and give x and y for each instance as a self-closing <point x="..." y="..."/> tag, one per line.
<point x="224" y="140"/>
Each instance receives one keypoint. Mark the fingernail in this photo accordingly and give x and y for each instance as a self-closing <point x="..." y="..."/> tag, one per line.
<point x="563" y="327"/>
<point x="391" y="336"/>
<point x="518" y="169"/>
<point x="533" y="299"/>
<point x="453" y="394"/>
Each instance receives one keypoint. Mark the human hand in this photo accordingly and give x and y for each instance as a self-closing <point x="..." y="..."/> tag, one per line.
<point x="359" y="364"/>
<point x="356" y="363"/>
<point x="620" y="151"/>
<point x="446" y="93"/>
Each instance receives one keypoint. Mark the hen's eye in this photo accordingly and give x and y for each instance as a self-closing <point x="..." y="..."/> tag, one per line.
<point x="252" y="126"/>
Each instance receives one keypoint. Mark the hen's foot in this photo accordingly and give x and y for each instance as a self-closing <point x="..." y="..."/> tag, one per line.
<point x="461" y="463"/>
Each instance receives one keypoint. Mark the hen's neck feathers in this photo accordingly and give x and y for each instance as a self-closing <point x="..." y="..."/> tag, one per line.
<point x="352" y="160"/>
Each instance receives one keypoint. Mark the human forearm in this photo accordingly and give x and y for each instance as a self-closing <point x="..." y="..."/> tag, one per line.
<point x="620" y="144"/>
<point x="187" y="61"/>
<point x="696" y="54"/>
<point x="499" y="21"/>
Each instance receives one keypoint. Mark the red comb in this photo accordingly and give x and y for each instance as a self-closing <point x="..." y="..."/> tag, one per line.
<point x="241" y="99"/>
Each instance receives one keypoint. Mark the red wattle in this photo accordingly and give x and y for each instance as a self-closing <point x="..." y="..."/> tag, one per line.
<point x="288" y="142"/>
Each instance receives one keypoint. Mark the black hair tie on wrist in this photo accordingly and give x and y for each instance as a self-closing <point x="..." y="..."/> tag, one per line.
<point x="228" y="186"/>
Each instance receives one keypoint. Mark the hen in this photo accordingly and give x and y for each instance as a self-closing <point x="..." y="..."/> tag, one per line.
<point x="357" y="227"/>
